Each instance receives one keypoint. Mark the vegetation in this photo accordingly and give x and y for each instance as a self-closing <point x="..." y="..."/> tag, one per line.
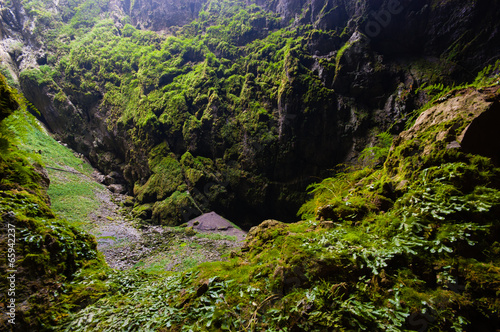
<point x="48" y="250"/>
<point x="379" y="249"/>
<point x="229" y="73"/>
<point x="409" y="242"/>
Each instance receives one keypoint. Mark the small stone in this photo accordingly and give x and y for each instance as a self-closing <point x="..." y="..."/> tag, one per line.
<point x="327" y="224"/>
<point x="202" y="289"/>
<point x="108" y="180"/>
<point x="453" y="145"/>
<point x="402" y="185"/>
<point x="117" y="188"/>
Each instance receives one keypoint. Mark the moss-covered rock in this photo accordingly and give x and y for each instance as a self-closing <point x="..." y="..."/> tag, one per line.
<point x="173" y="210"/>
<point x="165" y="180"/>
<point x="448" y="130"/>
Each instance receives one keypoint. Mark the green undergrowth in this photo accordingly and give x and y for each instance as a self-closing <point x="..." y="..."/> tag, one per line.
<point x="73" y="197"/>
<point x="378" y="249"/>
<point x="216" y="236"/>
<point x="411" y="244"/>
<point x="44" y="251"/>
<point x="176" y="249"/>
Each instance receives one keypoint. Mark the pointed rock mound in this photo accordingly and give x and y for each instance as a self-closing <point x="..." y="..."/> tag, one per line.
<point x="211" y="222"/>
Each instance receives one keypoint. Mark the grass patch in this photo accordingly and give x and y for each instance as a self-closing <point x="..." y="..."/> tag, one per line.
<point x="216" y="236"/>
<point x="36" y="139"/>
<point x="73" y="197"/>
<point x="106" y="238"/>
<point x="72" y="189"/>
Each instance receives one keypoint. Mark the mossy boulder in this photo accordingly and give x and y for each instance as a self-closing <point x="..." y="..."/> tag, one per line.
<point x="264" y="233"/>
<point x="7" y="101"/>
<point x="166" y="178"/>
<point x="173" y="210"/>
<point x="143" y="211"/>
<point x="198" y="171"/>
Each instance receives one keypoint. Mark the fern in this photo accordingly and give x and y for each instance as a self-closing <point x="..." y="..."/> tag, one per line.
<point x="375" y="155"/>
<point x="489" y="76"/>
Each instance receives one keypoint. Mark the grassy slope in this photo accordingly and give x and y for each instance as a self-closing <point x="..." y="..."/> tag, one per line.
<point x="48" y="250"/>
<point x="72" y="188"/>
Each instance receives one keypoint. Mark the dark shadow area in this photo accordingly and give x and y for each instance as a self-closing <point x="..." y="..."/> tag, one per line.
<point x="483" y="135"/>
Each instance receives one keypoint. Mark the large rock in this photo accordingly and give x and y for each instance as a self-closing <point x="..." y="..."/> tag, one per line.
<point x="464" y="120"/>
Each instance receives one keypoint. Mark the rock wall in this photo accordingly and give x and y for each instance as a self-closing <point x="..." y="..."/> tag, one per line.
<point x="160" y="15"/>
<point x="370" y="57"/>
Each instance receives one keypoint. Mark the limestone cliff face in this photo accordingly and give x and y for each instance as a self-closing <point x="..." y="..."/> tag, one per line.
<point x="158" y="15"/>
<point x="19" y="46"/>
<point x="369" y="56"/>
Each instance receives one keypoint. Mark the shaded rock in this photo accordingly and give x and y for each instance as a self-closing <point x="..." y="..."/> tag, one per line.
<point x="44" y="176"/>
<point x="9" y="104"/>
<point x="326" y="212"/>
<point x="202" y="289"/>
<point x="482" y="135"/>
<point x="108" y="180"/>
<point x="144" y="211"/>
<point x="159" y="15"/>
<point x="327" y="224"/>
<point x="117" y="188"/>
<point x="98" y="176"/>
<point x="288" y="278"/>
<point x="211" y="222"/>
<point x="128" y="201"/>
<point x="382" y="203"/>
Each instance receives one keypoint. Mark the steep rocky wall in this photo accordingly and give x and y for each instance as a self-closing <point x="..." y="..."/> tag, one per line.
<point x="158" y="15"/>
<point x="369" y="57"/>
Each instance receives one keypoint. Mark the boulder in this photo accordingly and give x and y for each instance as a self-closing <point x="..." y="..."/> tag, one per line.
<point x="463" y="121"/>
<point x="117" y="188"/>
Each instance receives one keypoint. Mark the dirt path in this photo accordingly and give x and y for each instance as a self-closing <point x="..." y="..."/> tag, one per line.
<point x="117" y="235"/>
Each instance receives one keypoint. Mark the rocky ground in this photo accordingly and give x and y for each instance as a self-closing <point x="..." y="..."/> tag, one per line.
<point x="126" y="243"/>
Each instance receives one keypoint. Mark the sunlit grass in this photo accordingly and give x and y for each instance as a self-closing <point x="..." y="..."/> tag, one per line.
<point x="72" y="190"/>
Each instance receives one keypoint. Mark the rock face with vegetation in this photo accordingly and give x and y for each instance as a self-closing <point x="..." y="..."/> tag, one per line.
<point x="40" y="250"/>
<point x="264" y="95"/>
<point x="238" y="106"/>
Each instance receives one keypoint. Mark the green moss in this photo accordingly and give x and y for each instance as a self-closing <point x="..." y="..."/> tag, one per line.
<point x="338" y="57"/>
<point x="166" y="178"/>
<point x="48" y="249"/>
<point x="171" y="211"/>
<point x="376" y="246"/>
<point x="41" y="76"/>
